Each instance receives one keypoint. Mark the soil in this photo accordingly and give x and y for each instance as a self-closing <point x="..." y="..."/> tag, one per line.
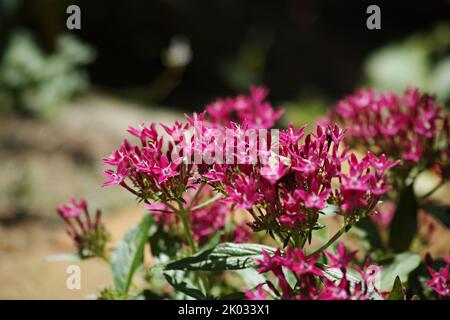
<point x="26" y="269"/>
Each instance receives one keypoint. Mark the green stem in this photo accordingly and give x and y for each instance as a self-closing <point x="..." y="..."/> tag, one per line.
<point x="184" y="214"/>
<point x="194" y="198"/>
<point x="333" y="239"/>
<point x="188" y="232"/>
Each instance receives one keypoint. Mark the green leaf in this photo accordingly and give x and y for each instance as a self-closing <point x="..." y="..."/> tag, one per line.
<point x="371" y="233"/>
<point x="251" y="277"/>
<point x="225" y="256"/>
<point x="400" y="265"/>
<point x="129" y="254"/>
<point x="162" y="242"/>
<point x="336" y="274"/>
<point x="441" y="212"/>
<point x="234" y="296"/>
<point x="148" y="294"/>
<point x="397" y="290"/>
<point x="352" y="276"/>
<point x="66" y="257"/>
<point x="404" y="224"/>
<point x="321" y="233"/>
<point x="178" y="280"/>
<point x="329" y="210"/>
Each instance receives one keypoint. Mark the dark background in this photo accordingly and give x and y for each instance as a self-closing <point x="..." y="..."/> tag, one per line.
<point x="304" y="43"/>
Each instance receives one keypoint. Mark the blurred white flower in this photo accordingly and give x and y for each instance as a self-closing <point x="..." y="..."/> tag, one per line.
<point x="179" y="52"/>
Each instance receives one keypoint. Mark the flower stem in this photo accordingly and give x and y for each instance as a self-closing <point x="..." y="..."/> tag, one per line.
<point x="188" y="232"/>
<point x="184" y="213"/>
<point x="333" y="239"/>
<point x="196" y="195"/>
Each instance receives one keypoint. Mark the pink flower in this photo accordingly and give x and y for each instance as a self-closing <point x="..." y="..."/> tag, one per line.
<point x="243" y="193"/>
<point x="309" y="280"/>
<point x="258" y="294"/>
<point x="383" y="215"/>
<point x="73" y="209"/>
<point x="144" y="133"/>
<point x="381" y="164"/>
<point x="297" y="261"/>
<point x="287" y="191"/>
<point x="117" y="177"/>
<point x="407" y="126"/>
<point x="291" y="136"/>
<point x="273" y="172"/>
<point x="252" y="111"/>
<point x="314" y="200"/>
<point x="342" y="259"/>
<point x="207" y="221"/>
<point x="87" y="233"/>
<point x="335" y="291"/>
<point x="440" y="281"/>
<point x="306" y="165"/>
<point x="414" y="151"/>
<point x="165" y="170"/>
<point x="242" y="233"/>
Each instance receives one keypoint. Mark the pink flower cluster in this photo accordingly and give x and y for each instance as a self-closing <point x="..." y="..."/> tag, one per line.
<point x="288" y="192"/>
<point x="252" y="111"/>
<point x="88" y="234"/>
<point x="305" y="270"/>
<point x="411" y="126"/>
<point x="440" y="280"/>
<point x="284" y="180"/>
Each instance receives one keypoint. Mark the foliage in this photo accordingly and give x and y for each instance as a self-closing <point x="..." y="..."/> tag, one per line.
<point x="34" y="83"/>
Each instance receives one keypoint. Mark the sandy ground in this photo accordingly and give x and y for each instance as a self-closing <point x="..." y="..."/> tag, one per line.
<point x="27" y="273"/>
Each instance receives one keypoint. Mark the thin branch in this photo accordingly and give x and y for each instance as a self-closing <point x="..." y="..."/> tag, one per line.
<point x="429" y="193"/>
<point x="333" y="239"/>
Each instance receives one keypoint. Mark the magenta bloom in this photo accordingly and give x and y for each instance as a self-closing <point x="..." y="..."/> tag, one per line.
<point x="342" y="259"/>
<point x="73" y="209"/>
<point x="311" y="281"/>
<point x="411" y="127"/>
<point x="165" y="170"/>
<point x="87" y="233"/>
<point x="243" y="193"/>
<point x="314" y="200"/>
<point x="273" y="172"/>
<point x="440" y="281"/>
<point x="242" y="233"/>
<point x="297" y="261"/>
<point x="253" y="110"/>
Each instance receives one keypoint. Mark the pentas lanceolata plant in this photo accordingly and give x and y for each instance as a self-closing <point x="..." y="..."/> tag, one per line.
<point x="169" y="177"/>
<point x="88" y="233"/>
<point x="412" y="128"/>
<point x="440" y="280"/>
<point x="225" y="177"/>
